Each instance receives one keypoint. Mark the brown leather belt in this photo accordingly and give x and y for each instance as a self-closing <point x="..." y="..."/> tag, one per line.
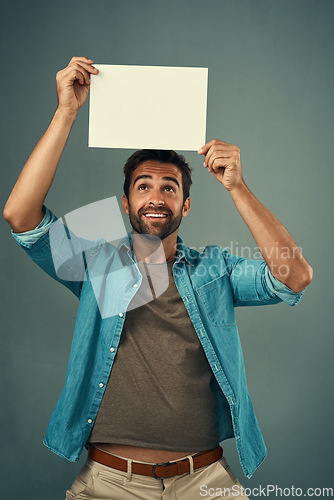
<point x="159" y="470"/>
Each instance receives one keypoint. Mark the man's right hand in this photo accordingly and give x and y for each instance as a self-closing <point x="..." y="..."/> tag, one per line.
<point x="73" y="83"/>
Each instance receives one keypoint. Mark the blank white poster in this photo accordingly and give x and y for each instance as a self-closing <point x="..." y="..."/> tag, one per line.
<point x="148" y="107"/>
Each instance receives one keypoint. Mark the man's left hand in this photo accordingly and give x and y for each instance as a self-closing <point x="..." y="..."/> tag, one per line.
<point x="223" y="160"/>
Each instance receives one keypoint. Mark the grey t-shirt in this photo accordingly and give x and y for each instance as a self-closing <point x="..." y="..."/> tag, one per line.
<point x="160" y="392"/>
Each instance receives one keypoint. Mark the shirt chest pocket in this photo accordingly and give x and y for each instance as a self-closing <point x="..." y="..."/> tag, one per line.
<point x="216" y="300"/>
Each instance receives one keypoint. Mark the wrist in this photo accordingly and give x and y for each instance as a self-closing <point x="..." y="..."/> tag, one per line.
<point x="65" y="115"/>
<point x="239" y="190"/>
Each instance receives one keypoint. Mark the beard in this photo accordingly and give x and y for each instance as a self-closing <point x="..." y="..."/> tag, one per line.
<point x="160" y="228"/>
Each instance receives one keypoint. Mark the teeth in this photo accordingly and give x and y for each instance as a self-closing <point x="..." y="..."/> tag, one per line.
<point x="156" y="215"/>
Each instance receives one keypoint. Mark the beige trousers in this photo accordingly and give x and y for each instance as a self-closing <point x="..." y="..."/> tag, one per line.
<point x="96" y="481"/>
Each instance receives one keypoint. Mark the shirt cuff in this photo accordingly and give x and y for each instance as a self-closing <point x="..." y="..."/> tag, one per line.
<point x="281" y="290"/>
<point x="28" y="238"/>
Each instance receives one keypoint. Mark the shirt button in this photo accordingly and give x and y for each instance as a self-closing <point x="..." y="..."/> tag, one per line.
<point x="135" y="285"/>
<point x="90" y="420"/>
<point x="120" y="315"/>
<point x="100" y="384"/>
<point x="112" y="349"/>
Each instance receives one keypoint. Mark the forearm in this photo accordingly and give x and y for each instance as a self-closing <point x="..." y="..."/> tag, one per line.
<point x="23" y="210"/>
<point x="277" y="246"/>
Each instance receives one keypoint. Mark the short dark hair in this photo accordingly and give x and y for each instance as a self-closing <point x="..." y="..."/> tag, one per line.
<point x="162" y="156"/>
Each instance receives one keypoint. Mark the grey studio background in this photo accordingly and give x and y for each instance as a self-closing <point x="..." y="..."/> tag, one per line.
<point x="270" y="92"/>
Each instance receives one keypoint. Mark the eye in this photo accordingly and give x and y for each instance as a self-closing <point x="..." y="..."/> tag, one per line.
<point x="169" y="189"/>
<point x="142" y="187"/>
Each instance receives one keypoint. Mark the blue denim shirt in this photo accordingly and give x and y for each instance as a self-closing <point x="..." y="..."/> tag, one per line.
<point x="211" y="284"/>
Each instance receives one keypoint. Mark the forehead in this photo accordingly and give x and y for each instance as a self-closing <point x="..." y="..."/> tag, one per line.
<point x="157" y="170"/>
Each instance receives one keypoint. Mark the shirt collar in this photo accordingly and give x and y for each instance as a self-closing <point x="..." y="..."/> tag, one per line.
<point x="182" y="251"/>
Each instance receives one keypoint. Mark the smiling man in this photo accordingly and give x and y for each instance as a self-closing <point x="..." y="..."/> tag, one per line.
<point x="156" y="194"/>
<point x="153" y="391"/>
<point x="153" y="183"/>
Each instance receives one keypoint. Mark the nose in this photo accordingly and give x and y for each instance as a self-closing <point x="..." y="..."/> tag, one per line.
<point x="156" y="198"/>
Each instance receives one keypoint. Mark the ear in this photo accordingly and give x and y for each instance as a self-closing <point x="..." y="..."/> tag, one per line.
<point x="125" y="203"/>
<point x="186" y="207"/>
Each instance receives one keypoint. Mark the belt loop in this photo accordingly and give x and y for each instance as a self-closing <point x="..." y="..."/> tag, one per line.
<point x="191" y="464"/>
<point x="129" y="470"/>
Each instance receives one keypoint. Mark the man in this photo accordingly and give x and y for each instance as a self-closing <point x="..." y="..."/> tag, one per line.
<point x="152" y="389"/>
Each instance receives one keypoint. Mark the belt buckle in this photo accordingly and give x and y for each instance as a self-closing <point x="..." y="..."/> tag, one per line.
<point x="161" y="464"/>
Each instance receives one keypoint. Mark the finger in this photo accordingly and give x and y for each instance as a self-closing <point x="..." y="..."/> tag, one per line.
<point x="218" y="164"/>
<point x="87" y="66"/>
<point x="226" y="150"/>
<point x="91" y="71"/>
<point x="218" y="161"/>
<point x="80" y="72"/>
<point x="204" y="149"/>
<point x="214" y="154"/>
<point x="76" y="75"/>
<point x="227" y="157"/>
<point x="83" y="59"/>
<point x="208" y="155"/>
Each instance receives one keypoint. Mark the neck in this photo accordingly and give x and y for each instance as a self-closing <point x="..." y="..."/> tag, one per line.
<point x="154" y="250"/>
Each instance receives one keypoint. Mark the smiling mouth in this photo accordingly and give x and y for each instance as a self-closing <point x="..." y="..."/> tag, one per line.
<point x="153" y="215"/>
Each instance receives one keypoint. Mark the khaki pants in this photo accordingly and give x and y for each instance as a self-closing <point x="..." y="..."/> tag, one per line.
<point x="96" y="481"/>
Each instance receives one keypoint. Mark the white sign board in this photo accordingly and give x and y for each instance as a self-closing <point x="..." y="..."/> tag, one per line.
<point x="148" y="107"/>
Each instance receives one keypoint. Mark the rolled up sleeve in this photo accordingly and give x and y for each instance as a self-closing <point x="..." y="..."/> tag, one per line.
<point x="28" y="238"/>
<point x="281" y="290"/>
<point x="36" y="243"/>
<point x="253" y="284"/>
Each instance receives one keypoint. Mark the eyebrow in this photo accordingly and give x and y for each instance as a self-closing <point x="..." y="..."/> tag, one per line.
<point x="171" y="179"/>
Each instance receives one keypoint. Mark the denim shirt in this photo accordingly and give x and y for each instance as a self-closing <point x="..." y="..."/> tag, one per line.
<point x="211" y="284"/>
